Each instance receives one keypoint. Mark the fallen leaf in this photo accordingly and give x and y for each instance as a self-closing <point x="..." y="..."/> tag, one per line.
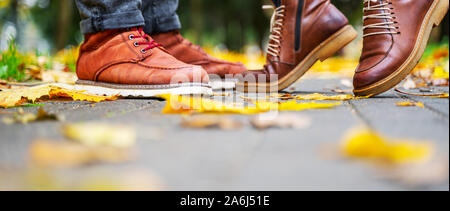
<point x="440" y="73"/>
<point x="19" y="96"/>
<point x="100" y="134"/>
<point x="187" y="105"/>
<point x="444" y="95"/>
<point x="59" y="77"/>
<point x="364" y="143"/>
<point x="281" y="121"/>
<point x="409" y="84"/>
<point x="221" y="94"/>
<point x="24" y="118"/>
<point x="430" y="173"/>
<point x="36" y="178"/>
<point x="210" y="121"/>
<point x="69" y="154"/>
<point x="410" y="104"/>
<point x="293" y="105"/>
<point x="440" y="82"/>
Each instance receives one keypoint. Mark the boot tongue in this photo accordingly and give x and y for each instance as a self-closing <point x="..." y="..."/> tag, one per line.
<point x="375" y="47"/>
<point x="91" y="40"/>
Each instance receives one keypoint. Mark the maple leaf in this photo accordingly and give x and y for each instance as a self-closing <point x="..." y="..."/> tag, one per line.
<point x="17" y="97"/>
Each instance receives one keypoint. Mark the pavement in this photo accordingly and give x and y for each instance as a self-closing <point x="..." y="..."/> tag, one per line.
<point x="170" y="157"/>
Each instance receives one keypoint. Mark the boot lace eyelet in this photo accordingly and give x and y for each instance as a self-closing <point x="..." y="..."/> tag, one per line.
<point x="131" y="37"/>
<point x="143" y="51"/>
<point x="136" y="44"/>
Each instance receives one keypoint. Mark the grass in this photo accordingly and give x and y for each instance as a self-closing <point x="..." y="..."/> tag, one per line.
<point x="12" y="66"/>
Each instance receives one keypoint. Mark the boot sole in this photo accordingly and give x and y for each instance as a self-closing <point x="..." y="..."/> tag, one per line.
<point x="433" y="18"/>
<point x="322" y="52"/>
<point x="222" y="84"/>
<point x="142" y="91"/>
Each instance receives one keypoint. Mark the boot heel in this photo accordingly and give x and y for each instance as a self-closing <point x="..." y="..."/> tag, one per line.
<point x="340" y="40"/>
<point x="441" y="11"/>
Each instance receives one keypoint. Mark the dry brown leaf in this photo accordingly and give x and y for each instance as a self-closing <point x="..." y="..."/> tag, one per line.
<point x="68" y="154"/>
<point x="101" y="134"/>
<point x="210" y="121"/>
<point x="281" y="121"/>
<point x="410" y="104"/>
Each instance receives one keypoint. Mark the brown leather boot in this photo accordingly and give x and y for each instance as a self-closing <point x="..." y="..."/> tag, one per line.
<point x="185" y="51"/>
<point x="303" y="31"/>
<point x="130" y="63"/>
<point x="396" y="33"/>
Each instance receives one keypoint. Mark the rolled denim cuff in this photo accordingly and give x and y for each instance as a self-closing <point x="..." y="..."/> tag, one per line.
<point x="163" y="24"/>
<point x="112" y="21"/>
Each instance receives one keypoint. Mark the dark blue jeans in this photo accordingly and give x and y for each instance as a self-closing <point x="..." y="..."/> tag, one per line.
<point x="154" y="15"/>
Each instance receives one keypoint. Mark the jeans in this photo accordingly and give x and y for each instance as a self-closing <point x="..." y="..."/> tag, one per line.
<point x="155" y="16"/>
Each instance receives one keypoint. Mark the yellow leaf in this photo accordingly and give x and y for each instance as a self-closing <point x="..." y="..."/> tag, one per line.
<point x="443" y="95"/>
<point x="18" y="96"/>
<point x="67" y="154"/>
<point x="24" y="118"/>
<point x="79" y="95"/>
<point x="98" y="134"/>
<point x="294" y="106"/>
<point x="185" y="104"/>
<point x="406" y="104"/>
<point x="365" y="143"/>
<point x="440" y="73"/>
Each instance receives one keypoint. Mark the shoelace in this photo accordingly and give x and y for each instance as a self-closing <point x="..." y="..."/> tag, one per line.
<point x="150" y="43"/>
<point x="276" y="26"/>
<point x="382" y="6"/>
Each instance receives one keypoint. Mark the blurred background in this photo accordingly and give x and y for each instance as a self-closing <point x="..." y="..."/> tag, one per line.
<point x="52" y="25"/>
